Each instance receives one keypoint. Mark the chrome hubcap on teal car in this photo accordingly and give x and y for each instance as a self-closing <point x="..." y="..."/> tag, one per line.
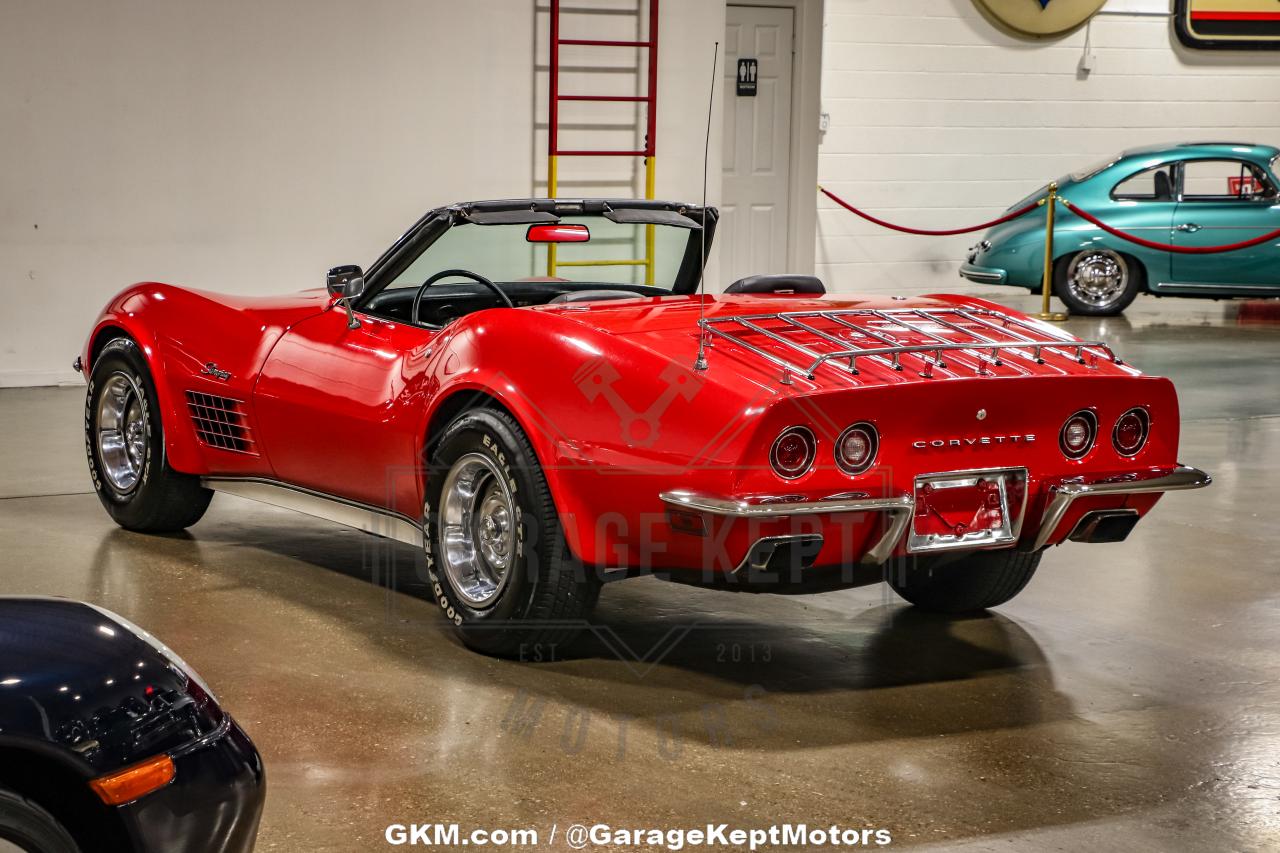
<point x="1097" y="277"/>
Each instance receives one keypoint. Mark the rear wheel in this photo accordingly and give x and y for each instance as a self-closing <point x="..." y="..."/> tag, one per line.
<point x="124" y="440"/>
<point x="27" y="827"/>
<point x="496" y="554"/>
<point x="977" y="581"/>
<point x="1097" y="281"/>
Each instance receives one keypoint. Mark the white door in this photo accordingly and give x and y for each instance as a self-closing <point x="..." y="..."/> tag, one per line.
<point x="752" y="234"/>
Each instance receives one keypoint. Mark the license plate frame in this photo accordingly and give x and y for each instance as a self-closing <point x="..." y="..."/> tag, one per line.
<point x="1011" y="487"/>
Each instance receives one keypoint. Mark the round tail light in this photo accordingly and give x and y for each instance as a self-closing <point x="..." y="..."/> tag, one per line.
<point x="793" y="452"/>
<point x="856" y="448"/>
<point x="1130" y="433"/>
<point x="1078" y="434"/>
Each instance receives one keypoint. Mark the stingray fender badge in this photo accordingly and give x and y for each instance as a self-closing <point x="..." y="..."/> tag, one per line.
<point x="211" y="369"/>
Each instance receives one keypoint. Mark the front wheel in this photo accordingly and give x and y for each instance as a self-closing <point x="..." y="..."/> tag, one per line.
<point x="124" y="440"/>
<point x="26" y="826"/>
<point x="1097" y="282"/>
<point x="977" y="581"/>
<point x="496" y="554"/>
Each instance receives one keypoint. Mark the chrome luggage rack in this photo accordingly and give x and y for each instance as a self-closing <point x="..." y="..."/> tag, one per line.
<point x="1023" y="337"/>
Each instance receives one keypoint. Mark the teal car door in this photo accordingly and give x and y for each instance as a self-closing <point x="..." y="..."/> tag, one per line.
<point x="1222" y="202"/>
<point x="1142" y="204"/>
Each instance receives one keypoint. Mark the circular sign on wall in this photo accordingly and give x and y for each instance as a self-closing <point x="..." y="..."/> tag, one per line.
<point x="1041" y="17"/>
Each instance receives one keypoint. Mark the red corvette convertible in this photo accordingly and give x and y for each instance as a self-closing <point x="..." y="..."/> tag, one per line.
<point x="535" y="393"/>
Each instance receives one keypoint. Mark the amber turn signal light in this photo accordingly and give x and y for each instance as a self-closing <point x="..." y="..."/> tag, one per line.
<point x="137" y="780"/>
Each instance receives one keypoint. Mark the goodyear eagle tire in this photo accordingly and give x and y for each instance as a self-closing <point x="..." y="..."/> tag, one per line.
<point x="27" y="825"/>
<point x="496" y="555"/>
<point x="124" y="440"/>
<point x="977" y="581"/>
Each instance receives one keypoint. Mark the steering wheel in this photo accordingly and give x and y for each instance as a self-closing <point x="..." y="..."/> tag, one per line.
<point x="476" y="277"/>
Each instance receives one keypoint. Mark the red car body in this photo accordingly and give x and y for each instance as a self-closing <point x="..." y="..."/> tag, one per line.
<point x="652" y="463"/>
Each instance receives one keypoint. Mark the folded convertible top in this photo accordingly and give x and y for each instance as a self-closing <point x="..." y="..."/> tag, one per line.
<point x="641" y="216"/>
<point x="511" y="217"/>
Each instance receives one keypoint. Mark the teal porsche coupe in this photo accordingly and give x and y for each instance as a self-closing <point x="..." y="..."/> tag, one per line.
<point x="1192" y="195"/>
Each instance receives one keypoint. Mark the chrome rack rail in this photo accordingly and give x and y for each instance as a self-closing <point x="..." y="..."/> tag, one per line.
<point x="1022" y="336"/>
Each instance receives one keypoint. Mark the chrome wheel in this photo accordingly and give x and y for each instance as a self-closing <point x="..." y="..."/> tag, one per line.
<point x="478" y="529"/>
<point x="1098" y="277"/>
<point x="122" y="431"/>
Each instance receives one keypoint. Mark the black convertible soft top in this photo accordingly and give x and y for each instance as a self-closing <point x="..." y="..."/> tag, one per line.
<point x="535" y="211"/>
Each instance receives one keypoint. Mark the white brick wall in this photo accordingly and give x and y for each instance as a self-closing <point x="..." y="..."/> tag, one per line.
<point x="242" y="146"/>
<point x="940" y="120"/>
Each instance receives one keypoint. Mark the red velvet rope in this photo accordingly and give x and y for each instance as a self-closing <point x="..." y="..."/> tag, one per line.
<point x="1168" y="247"/>
<point x="945" y="233"/>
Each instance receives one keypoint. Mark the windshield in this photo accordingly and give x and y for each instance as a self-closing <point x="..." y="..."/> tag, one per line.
<point x="1090" y="171"/>
<point x="1074" y="177"/>
<point x="1035" y="196"/>
<point x="612" y="253"/>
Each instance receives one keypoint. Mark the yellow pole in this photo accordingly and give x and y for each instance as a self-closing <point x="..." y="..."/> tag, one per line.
<point x="1051" y="203"/>
<point x="649" y="172"/>
<point x="551" y="193"/>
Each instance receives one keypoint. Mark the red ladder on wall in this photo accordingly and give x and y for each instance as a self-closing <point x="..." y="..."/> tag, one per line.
<point x="648" y="152"/>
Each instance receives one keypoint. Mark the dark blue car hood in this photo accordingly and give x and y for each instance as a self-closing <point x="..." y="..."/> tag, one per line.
<point x="84" y="681"/>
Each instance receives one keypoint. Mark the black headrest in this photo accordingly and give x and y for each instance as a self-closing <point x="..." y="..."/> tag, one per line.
<point x="785" y="283"/>
<point x="1163" y="187"/>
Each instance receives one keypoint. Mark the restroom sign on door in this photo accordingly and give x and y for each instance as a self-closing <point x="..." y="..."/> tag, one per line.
<point x="747" y="71"/>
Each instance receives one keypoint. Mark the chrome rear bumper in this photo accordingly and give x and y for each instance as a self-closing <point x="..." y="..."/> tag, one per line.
<point x="1065" y="494"/>
<point x="900" y="508"/>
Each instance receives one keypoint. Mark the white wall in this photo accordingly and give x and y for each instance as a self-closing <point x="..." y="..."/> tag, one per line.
<point x="939" y="119"/>
<point x="246" y="145"/>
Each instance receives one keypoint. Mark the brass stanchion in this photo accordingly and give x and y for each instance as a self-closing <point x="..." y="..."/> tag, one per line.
<point x="1051" y="203"/>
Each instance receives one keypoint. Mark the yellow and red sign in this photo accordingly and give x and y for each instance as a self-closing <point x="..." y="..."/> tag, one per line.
<point x="1228" y="24"/>
<point x="1241" y="187"/>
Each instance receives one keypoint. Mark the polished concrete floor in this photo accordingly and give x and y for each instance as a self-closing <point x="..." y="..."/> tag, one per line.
<point x="1128" y="699"/>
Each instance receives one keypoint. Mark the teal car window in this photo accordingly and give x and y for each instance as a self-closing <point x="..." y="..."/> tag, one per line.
<point x="1154" y="184"/>
<point x="1224" y="180"/>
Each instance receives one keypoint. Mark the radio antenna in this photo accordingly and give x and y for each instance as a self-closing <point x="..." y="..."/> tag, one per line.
<point x="701" y="363"/>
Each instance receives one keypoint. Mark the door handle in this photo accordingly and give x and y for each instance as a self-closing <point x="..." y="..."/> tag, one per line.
<point x="1189" y="227"/>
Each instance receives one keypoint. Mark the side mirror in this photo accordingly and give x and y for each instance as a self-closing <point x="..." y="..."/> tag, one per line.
<point x="346" y="281"/>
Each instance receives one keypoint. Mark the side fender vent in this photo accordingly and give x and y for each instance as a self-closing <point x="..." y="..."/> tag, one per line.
<point x="221" y="422"/>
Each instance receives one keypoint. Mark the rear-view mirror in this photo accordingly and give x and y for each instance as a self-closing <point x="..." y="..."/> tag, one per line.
<point x="558" y="234"/>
